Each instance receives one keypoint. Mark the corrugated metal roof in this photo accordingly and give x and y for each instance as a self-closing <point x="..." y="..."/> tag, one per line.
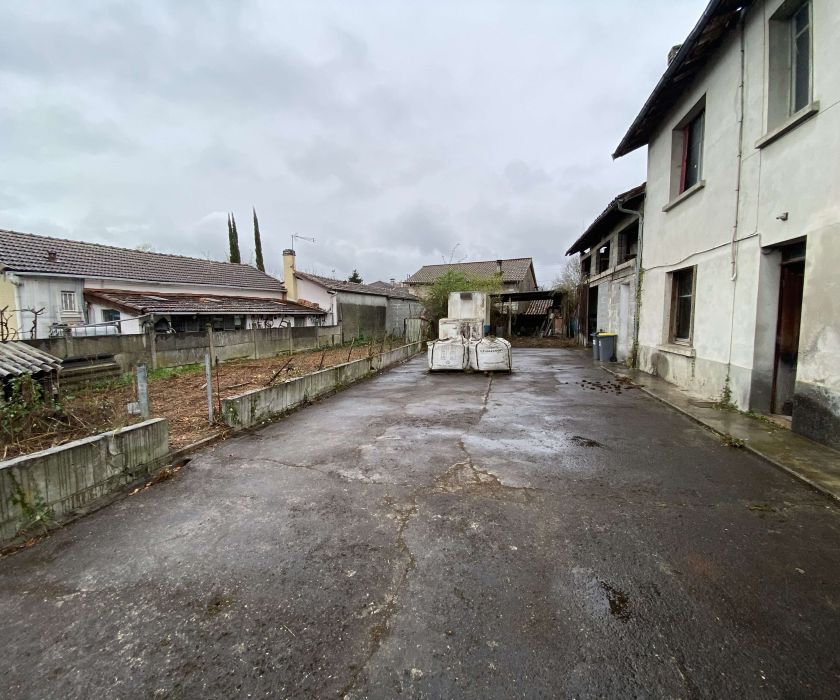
<point x="17" y="358"/>
<point x="538" y="307"/>
<point x="26" y="252"/>
<point x="513" y="270"/>
<point x="600" y="227"/>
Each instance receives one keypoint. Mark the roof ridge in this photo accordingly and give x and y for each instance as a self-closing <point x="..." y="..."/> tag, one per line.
<point x="129" y="250"/>
<point x="477" y="262"/>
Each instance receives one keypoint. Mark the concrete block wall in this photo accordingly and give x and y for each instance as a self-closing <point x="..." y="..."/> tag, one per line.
<point x="180" y="349"/>
<point x="69" y="477"/>
<point x="259" y="405"/>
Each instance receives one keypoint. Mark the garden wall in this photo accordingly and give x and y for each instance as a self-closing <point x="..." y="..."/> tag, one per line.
<point x="54" y="483"/>
<point x="177" y="349"/>
<point x="259" y="405"/>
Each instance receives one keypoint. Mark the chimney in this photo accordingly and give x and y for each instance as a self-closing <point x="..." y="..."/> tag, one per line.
<point x="675" y="49"/>
<point x="393" y="281"/>
<point x="499" y="268"/>
<point x="289" y="274"/>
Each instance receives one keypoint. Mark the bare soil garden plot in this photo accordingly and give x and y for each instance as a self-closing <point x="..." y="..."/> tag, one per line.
<point x="177" y="394"/>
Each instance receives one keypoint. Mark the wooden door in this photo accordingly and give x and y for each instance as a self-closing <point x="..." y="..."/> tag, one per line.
<point x="787" y="334"/>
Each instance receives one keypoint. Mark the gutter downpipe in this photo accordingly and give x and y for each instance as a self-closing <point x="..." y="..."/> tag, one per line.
<point x="640" y="216"/>
<point x="733" y="258"/>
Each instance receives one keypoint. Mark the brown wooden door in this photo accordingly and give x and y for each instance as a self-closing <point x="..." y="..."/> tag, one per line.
<point x="787" y="335"/>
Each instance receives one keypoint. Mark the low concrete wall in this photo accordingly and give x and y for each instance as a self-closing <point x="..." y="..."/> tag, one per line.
<point x="53" y="483"/>
<point x="259" y="405"/>
<point x="179" y="349"/>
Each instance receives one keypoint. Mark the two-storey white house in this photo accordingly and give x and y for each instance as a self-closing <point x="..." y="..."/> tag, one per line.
<point x="740" y="293"/>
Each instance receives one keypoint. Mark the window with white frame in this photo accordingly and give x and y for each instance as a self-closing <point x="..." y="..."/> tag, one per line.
<point x="790" y="61"/>
<point x="68" y="302"/>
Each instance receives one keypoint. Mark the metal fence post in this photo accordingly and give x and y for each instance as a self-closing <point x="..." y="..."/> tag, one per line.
<point x="208" y="374"/>
<point x="143" y="390"/>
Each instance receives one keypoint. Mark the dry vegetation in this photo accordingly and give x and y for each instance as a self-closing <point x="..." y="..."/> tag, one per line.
<point x="178" y="394"/>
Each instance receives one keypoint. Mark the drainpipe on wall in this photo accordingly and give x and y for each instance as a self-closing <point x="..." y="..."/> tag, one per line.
<point x="734" y="243"/>
<point x="640" y="216"/>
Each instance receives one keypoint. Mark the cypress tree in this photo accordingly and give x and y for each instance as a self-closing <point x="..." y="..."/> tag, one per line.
<point x="258" y="242"/>
<point x="233" y="239"/>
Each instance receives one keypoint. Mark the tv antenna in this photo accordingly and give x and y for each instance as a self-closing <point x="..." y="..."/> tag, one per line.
<point x="296" y="236"/>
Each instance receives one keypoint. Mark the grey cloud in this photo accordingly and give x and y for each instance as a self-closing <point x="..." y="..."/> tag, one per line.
<point x="390" y="131"/>
<point x="523" y="177"/>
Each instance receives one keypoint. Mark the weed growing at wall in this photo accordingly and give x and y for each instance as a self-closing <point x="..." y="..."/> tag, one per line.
<point x="35" y="510"/>
<point x="725" y="403"/>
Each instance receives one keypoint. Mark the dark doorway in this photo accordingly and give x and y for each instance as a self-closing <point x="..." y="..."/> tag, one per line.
<point x="592" y="312"/>
<point x="787" y="328"/>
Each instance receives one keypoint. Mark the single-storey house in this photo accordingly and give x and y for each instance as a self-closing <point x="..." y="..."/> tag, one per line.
<point x="51" y="286"/>
<point x="517" y="274"/>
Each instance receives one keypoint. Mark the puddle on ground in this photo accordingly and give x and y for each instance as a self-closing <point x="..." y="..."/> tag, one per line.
<point x="584" y="441"/>
<point x="619" y="603"/>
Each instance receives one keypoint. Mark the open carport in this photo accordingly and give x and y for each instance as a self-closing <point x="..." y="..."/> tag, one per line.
<point x="547" y="533"/>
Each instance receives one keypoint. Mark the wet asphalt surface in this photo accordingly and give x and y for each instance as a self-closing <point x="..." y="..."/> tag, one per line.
<point x="543" y="534"/>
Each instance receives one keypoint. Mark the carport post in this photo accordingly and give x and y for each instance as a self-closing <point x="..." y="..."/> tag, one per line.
<point x="208" y="373"/>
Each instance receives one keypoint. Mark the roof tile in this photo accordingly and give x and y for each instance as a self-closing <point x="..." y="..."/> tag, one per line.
<point x="26" y="252"/>
<point x="513" y="270"/>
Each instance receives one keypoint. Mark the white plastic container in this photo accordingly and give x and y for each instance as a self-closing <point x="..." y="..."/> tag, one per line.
<point x="449" y="328"/>
<point x="491" y="355"/>
<point x="450" y="354"/>
<point x="469" y="305"/>
<point x="466" y="328"/>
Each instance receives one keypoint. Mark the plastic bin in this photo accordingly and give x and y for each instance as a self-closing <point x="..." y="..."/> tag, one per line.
<point x="595" y="348"/>
<point x="606" y="346"/>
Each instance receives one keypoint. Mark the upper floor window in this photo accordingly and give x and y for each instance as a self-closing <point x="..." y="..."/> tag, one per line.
<point x="68" y="301"/>
<point x="629" y="242"/>
<point x="603" y="259"/>
<point x="692" y="163"/>
<point x="800" y="74"/>
<point x="110" y="315"/>
<point x="687" y="140"/>
<point x="790" y="61"/>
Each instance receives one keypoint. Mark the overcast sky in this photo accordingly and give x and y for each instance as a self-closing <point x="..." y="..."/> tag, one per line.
<point x="390" y="131"/>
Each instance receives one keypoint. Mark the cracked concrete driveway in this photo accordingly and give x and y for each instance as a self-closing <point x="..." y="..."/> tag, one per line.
<point x="544" y="534"/>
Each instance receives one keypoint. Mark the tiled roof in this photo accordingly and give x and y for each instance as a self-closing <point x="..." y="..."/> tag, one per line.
<point x="26" y="252"/>
<point x="607" y="219"/>
<point x="345" y="286"/>
<point x="513" y="270"/>
<point x="153" y="303"/>
<point x="713" y="28"/>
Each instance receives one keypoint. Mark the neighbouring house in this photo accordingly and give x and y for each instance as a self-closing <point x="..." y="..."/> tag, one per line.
<point x="51" y="286"/>
<point x="517" y="274"/>
<point x="609" y="259"/>
<point x="740" y="298"/>
<point x="363" y="310"/>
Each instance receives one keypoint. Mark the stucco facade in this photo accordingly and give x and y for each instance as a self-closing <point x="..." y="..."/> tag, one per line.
<point x="735" y="233"/>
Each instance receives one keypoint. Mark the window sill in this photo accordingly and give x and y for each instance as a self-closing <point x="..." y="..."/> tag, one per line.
<point x="679" y="199"/>
<point x="675" y="349"/>
<point x="792" y="122"/>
